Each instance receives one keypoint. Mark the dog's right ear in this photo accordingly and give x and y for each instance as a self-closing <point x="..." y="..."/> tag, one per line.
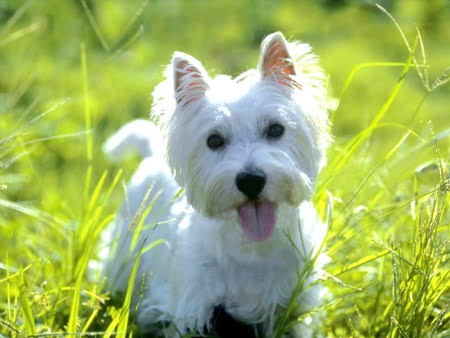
<point x="275" y="61"/>
<point x="189" y="77"/>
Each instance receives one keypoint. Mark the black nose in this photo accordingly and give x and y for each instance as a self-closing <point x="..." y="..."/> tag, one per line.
<point x="251" y="183"/>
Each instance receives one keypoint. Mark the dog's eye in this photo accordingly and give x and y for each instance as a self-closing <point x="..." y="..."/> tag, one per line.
<point x="215" y="142"/>
<point x="275" y="131"/>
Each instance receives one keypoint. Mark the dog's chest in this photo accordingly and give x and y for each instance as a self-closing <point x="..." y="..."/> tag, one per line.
<point x="254" y="287"/>
<point x="249" y="279"/>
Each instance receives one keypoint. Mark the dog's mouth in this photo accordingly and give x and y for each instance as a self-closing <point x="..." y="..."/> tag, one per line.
<point x="257" y="220"/>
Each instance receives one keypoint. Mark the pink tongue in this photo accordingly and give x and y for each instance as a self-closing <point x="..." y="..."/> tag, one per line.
<point x="257" y="220"/>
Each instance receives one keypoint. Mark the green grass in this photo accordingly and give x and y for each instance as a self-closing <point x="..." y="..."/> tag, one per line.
<point x="72" y="72"/>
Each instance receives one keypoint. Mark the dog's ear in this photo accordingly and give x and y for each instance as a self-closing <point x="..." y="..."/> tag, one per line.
<point x="189" y="78"/>
<point x="275" y="61"/>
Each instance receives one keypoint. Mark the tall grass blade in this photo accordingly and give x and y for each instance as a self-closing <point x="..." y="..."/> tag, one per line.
<point x="120" y="320"/>
<point x="28" y="318"/>
<point x="87" y="122"/>
<point x="95" y="26"/>
<point x="17" y="132"/>
<point x="356" y="142"/>
<point x="72" y="325"/>
<point x="15" y="17"/>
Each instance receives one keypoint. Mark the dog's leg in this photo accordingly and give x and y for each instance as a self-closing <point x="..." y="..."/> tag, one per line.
<point x="225" y="326"/>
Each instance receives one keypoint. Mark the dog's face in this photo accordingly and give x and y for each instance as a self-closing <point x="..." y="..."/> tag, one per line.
<point x="242" y="147"/>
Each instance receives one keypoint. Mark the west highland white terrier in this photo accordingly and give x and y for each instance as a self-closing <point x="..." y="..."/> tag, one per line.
<point x="225" y="228"/>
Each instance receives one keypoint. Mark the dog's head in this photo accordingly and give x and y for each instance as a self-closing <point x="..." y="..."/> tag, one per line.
<point x="244" y="146"/>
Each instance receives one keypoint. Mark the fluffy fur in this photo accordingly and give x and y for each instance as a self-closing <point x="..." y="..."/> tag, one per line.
<point x="206" y="259"/>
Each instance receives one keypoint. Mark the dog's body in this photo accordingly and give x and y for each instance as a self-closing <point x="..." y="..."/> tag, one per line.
<point x="247" y="152"/>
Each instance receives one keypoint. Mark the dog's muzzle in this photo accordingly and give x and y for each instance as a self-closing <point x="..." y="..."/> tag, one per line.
<point x="251" y="183"/>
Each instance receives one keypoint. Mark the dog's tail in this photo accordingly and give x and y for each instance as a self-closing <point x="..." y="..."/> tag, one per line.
<point x="139" y="136"/>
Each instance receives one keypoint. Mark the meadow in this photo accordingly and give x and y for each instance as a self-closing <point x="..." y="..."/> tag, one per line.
<point x="73" y="72"/>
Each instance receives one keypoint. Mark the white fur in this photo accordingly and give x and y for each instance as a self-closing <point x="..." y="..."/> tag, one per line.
<point x="206" y="259"/>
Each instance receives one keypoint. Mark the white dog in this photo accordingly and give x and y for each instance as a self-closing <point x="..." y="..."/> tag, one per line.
<point x="237" y="242"/>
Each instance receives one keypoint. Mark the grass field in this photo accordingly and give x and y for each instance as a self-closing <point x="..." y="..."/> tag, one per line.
<point x="72" y="72"/>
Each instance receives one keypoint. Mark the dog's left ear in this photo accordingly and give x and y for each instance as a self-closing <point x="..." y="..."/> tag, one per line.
<point x="190" y="78"/>
<point x="275" y="61"/>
